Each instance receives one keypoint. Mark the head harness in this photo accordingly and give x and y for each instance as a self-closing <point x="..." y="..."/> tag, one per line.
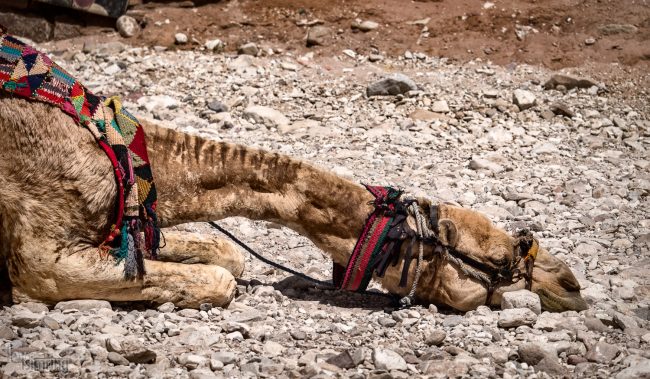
<point x="387" y="228"/>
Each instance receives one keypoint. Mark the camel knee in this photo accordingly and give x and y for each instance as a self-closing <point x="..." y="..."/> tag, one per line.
<point x="192" y="248"/>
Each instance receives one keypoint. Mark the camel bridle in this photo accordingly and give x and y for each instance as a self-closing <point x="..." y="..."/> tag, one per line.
<point x="392" y="205"/>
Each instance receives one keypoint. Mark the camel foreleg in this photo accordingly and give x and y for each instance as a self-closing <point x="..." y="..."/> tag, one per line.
<point x="193" y="248"/>
<point x="83" y="274"/>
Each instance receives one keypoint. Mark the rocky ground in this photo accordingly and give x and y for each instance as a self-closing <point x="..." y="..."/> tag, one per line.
<point x="567" y="158"/>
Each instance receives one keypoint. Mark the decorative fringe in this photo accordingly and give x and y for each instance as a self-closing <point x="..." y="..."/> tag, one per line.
<point x="123" y="251"/>
<point x="130" y="264"/>
<point x="132" y="247"/>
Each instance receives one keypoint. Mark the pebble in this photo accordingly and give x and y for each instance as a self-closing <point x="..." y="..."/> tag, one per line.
<point x="26" y="319"/>
<point x="127" y="26"/>
<point x="568" y="82"/>
<point x="440" y="106"/>
<point x="166" y="307"/>
<point x="35" y="307"/>
<point x="596" y="325"/>
<point x="112" y="69"/>
<point x="435" y="337"/>
<point x="214" y="45"/>
<point x="192" y="361"/>
<point x="273" y="348"/>
<point x="202" y="374"/>
<point x="248" y="49"/>
<point x="365" y="26"/>
<point x="216" y="365"/>
<point x="136" y="352"/>
<point x="521" y="299"/>
<point x="318" y="36"/>
<point x="523" y="99"/>
<point x="217" y="106"/>
<point x="636" y="370"/>
<point x="6" y="333"/>
<point x="385" y="359"/>
<point x="225" y="357"/>
<point x="626" y="323"/>
<point x="613" y="29"/>
<point x="347" y="359"/>
<point x="157" y="102"/>
<point x="117" y="359"/>
<point x="82" y="305"/>
<point x="50" y="323"/>
<point x="266" y="116"/>
<point x="425" y="115"/>
<point x="561" y="110"/>
<point x="478" y="163"/>
<point x="512" y="318"/>
<point x="602" y="352"/>
<point x="180" y="38"/>
<point x="445" y="369"/>
<point x="395" y="84"/>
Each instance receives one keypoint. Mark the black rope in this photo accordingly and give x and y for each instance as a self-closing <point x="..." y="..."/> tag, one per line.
<point x="269" y="262"/>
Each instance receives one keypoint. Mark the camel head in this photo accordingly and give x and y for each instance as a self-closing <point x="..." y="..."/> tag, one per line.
<point x="471" y="233"/>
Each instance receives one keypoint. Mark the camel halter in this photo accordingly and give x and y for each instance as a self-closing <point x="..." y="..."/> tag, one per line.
<point x="386" y="229"/>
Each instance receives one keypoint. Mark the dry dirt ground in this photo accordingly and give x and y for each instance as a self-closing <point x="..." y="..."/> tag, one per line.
<point x="459" y="29"/>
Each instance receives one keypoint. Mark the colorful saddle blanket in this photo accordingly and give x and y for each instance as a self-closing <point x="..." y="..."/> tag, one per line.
<point x="30" y="74"/>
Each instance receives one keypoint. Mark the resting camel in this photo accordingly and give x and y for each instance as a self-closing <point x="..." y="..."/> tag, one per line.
<point x="58" y="190"/>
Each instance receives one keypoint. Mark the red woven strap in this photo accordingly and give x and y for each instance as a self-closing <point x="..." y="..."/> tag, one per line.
<point x="371" y="240"/>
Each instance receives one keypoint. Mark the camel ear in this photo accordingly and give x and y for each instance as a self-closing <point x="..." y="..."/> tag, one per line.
<point x="448" y="232"/>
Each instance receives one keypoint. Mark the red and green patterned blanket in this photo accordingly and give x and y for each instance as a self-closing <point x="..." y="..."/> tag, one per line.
<point x="30" y="74"/>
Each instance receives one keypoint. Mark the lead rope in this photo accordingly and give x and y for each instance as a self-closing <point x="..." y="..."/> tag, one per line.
<point x="322" y="283"/>
<point x="469" y="271"/>
<point x="422" y="232"/>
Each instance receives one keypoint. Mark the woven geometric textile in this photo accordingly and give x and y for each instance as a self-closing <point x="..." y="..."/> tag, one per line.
<point x="30" y="74"/>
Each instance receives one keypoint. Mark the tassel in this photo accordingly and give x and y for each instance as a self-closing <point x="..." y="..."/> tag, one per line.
<point x="122" y="252"/>
<point x="138" y="246"/>
<point x="130" y="265"/>
<point x="139" y="260"/>
<point x="152" y="234"/>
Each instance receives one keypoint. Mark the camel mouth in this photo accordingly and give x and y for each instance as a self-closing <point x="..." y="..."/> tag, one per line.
<point x="568" y="301"/>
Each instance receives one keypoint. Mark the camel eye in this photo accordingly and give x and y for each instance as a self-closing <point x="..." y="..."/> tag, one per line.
<point x="499" y="261"/>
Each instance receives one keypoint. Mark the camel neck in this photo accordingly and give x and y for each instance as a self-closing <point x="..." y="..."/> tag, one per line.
<point x="208" y="180"/>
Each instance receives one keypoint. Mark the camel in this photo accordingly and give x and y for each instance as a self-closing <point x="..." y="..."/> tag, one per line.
<point x="57" y="190"/>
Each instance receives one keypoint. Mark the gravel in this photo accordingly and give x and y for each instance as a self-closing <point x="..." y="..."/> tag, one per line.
<point x="580" y="182"/>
